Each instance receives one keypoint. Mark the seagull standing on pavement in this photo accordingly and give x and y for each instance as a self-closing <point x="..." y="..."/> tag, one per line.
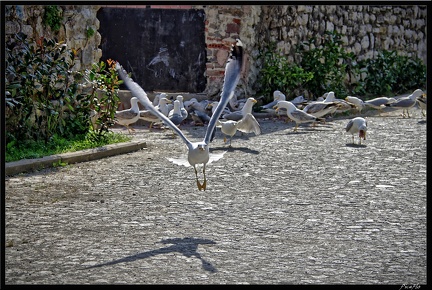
<point x="379" y="103"/>
<point x="406" y="103"/>
<point x="238" y="115"/>
<point x="295" y="114"/>
<point x="128" y="116"/>
<point x="357" y="125"/>
<point x="247" y="124"/>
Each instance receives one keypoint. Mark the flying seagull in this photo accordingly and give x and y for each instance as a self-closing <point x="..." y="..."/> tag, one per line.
<point x="198" y="152"/>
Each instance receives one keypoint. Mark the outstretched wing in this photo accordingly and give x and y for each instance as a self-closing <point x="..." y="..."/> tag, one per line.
<point x="249" y="124"/>
<point x="232" y="76"/>
<point x="138" y="92"/>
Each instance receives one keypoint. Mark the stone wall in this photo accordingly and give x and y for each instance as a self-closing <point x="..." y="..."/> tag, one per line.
<point x="366" y="29"/>
<point x="77" y="20"/>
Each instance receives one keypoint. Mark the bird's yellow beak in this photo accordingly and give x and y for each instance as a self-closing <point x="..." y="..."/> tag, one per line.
<point x="254" y="101"/>
<point x="276" y="108"/>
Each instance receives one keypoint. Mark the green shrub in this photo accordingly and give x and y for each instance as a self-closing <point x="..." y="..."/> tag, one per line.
<point x="329" y="63"/>
<point x="41" y="90"/>
<point x="325" y="67"/>
<point x="43" y="104"/>
<point x="389" y="74"/>
<point x="105" y="82"/>
<point x="57" y="145"/>
<point x="52" y="17"/>
<point x="278" y="74"/>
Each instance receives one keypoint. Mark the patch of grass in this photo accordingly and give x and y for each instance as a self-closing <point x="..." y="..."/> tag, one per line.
<point x="58" y="145"/>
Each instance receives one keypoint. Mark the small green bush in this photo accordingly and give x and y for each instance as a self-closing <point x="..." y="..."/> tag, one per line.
<point x="328" y="63"/>
<point x="42" y="92"/>
<point x="52" y="17"/>
<point x="278" y="74"/>
<point x="43" y="103"/>
<point x="325" y="66"/>
<point x="390" y="73"/>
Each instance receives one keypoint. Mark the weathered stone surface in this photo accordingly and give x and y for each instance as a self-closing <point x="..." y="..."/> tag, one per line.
<point x="281" y="207"/>
<point x="258" y="25"/>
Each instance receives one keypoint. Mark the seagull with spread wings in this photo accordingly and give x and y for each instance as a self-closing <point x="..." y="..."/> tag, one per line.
<point x="198" y="152"/>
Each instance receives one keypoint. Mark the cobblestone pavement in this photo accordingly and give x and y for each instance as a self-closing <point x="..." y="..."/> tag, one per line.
<point x="280" y="208"/>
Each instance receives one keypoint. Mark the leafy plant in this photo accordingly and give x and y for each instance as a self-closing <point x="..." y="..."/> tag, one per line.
<point x="42" y="97"/>
<point x="390" y="73"/>
<point x="52" y="17"/>
<point x="331" y="66"/>
<point x="278" y="73"/>
<point x="89" y="32"/>
<point x="105" y="82"/>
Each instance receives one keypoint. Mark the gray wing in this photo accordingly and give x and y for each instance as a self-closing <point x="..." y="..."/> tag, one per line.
<point x="147" y="115"/>
<point x="138" y="92"/>
<point x="315" y="107"/>
<point x="203" y="116"/>
<point x="249" y="124"/>
<point x="349" y="125"/>
<point x="232" y="76"/>
<point x="301" y="116"/>
<point x="376" y="102"/>
<point x="403" y="103"/>
<point x="127" y="115"/>
<point x="233" y="116"/>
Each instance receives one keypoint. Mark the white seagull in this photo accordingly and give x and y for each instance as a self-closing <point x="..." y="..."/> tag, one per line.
<point x="357" y="125"/>
<point x="277" y="96"/>
<point x="198" y="152"/>
<point x="406" y="103"/>
<point x="162" y="106"/>
<point x="322" y="108"/>
<point x="128" y="116"/>
<point x="379" y="103"/>
<point x="238" y="115"/>
<point x="247" y="124"/>
<point x="295" y="114"/>
<point x="175" y="115"/>
<point x="357" y="102"/>
<point x="183" y="110"/>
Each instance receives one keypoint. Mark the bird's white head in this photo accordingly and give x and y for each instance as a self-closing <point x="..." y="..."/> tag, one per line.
<point x="417" y="93"/>
<point x="202" y="146"/>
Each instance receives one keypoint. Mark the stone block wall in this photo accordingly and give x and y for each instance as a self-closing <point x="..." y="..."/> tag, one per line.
<point x="77" y="20"/>
<point x="366" y="29"/>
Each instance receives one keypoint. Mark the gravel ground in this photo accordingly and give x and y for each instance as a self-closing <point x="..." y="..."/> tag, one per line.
<point x="280" y="208"/>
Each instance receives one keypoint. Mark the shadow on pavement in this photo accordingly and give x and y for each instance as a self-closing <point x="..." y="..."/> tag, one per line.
<point x="185" y="246"/>
<point x="356" y="145"/>
<point x="232" y="149"/>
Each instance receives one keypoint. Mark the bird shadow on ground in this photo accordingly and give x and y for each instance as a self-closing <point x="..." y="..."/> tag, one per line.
<point x="422" y="122"/>
<point x="355" y="145"/>
<point x="185" y="246"/>
<point x="233" y="149"/>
